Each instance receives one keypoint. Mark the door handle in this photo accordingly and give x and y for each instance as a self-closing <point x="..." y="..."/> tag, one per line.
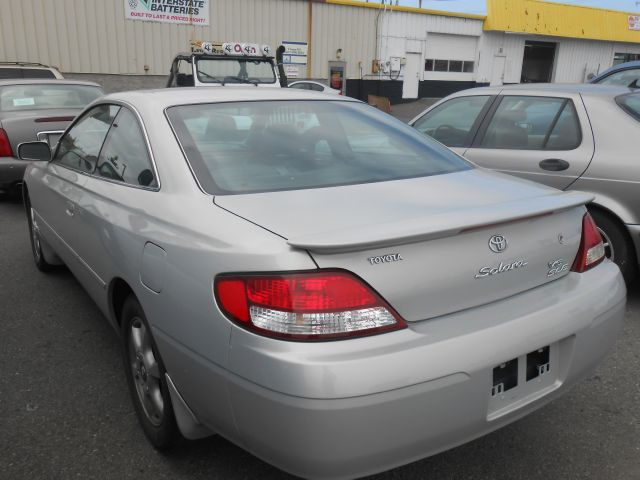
<point x="71" y="209"/>
<point x="554" y="164"/>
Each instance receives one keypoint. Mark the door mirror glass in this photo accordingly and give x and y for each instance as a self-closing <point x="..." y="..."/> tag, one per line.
<point x="34" y="151"/>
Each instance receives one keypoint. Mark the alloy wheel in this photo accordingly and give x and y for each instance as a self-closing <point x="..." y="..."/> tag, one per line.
<point x="146" y="372"/>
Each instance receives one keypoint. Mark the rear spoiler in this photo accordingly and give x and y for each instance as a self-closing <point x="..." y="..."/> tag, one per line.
<point x="438" y="226"/>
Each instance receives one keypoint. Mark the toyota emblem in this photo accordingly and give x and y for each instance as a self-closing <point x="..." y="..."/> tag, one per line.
<point x="498" y="243"/>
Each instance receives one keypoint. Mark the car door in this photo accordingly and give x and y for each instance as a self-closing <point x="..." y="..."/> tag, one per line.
<point x="454" y="122"/>
<point x="542" y="137"/>
<point x="62" y="185"/>
<point x="123" y="180"/>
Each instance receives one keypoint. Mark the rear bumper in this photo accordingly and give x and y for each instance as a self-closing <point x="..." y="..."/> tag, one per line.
<point x="356" y="407"/>
<point x="11" y="171"/>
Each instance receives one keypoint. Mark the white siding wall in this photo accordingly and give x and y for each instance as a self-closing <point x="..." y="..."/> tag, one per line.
<point x="500" y="44"/>
<point x="92" y="36"/>
<point x="576" y="58"/>
<point x="403" y="32"/>
<point x="351" y="29"/>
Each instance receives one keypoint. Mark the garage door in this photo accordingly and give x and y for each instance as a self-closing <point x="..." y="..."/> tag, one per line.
<point x="450" y="53"/>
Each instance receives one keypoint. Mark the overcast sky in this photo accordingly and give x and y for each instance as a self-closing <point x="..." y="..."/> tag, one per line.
<point x="479" y="6"/>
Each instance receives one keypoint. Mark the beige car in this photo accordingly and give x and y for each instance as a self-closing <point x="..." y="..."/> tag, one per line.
<point x="571" y="137"/>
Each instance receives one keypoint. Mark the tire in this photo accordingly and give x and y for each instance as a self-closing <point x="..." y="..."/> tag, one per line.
<point x="617" y="244"/>
<point x="34" y="235"/>
<point x="146" y="378"/>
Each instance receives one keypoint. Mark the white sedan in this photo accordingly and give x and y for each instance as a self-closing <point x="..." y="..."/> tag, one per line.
<point x="315" y="86"/>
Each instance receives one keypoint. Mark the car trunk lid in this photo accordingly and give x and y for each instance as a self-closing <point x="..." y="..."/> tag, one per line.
<point x="29" y="126"/>
<point x="430" y="246"/>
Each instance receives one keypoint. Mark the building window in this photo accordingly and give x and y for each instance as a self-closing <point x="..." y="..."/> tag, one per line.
<point x="619" y="58"/>
<point x="441" y="65"/>
<point x="455" y="65"/>
<point x="459" y="66"/>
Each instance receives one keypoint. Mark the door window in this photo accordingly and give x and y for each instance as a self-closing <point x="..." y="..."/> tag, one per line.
<point x="452" y="121"/>
<point x="124" y="157"/>
<point x="533" y="123"/>
<point x="80" y="146"/>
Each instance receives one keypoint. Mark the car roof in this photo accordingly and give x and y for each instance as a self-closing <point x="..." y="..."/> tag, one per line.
<point x="167" y="97"/>
<point x="48" y="81"/>
<point x="581" y="88"/>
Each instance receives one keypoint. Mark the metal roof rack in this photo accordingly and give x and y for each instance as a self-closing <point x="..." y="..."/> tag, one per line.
<point x="26" y="64"/>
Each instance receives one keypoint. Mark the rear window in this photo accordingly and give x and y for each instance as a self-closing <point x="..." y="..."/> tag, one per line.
<point x="232" y="70"/>
<point x="12" y="72"/>
<point x="44" y="96"/>
<point x="267" y="146"/>
<point x="37" y="73"/>
<point x="630" y="104"/>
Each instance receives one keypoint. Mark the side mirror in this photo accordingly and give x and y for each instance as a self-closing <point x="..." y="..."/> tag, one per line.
<point x="34" y="151"/>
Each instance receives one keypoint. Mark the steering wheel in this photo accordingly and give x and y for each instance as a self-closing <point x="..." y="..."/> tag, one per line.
<point x="444" y="130"/>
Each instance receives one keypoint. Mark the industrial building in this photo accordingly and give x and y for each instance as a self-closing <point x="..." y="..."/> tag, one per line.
<point x="363" y="47"/>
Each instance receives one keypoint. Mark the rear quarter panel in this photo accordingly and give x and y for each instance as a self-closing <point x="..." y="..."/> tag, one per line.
<point x="613" y="175"/>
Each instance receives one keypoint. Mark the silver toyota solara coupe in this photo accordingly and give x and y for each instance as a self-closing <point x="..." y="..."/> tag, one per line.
<point x="316" y="281"/>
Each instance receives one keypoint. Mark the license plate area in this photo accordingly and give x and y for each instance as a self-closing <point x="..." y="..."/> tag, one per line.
<point x="523" y="379"/>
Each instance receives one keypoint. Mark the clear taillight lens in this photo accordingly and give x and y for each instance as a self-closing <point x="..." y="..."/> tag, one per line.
<point x="305" y="306"/>
<point x="591" y="251"/>
<point x="5" y="146"/>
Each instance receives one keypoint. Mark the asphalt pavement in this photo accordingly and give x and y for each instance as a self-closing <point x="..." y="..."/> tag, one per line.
<point x="65" y="410"/>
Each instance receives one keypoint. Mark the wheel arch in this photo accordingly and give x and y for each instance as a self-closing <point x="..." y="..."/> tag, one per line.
<point x="119" y="291"/>
<point x="593" y="206"/>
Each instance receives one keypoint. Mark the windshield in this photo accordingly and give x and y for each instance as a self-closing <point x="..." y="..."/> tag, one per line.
<point x="267" y="145"/>
<point x="234" y="70"/>
<point x="45" y="96"/>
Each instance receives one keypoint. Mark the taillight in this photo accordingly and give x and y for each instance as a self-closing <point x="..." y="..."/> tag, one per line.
<point x="305" y="306"/>
<point x="5" y="146"/>
<point x="591" y="251"/>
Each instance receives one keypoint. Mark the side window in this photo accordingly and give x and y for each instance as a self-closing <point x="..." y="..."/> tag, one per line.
<point x="566" y="134"/>
<point x="124" y="157"/>
<point x="451" y="122"/>
<point x="533" y="123"/>
<point x="623" y="77"/>
<point x="315" y="87"/>
<point x="37" y="73"/>
<point x="80" y="146"/>
<point x="300" y="86"/>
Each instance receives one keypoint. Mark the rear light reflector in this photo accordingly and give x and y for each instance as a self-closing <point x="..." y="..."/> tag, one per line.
<point x="591" y="251"/>
<point x="5" y="146"/>
<point x="317" y="305"/>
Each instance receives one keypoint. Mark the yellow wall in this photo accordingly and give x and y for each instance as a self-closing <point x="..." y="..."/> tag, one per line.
<point x="546" y="18"/>
<point x="398" y="8"/>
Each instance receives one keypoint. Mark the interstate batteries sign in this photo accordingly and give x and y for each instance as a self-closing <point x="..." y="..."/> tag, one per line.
<point x="192" y="12"/>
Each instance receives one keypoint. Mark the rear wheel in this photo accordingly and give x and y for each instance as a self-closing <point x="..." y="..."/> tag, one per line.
<point x="617" y="244"/>
<point x="146" y="378"/>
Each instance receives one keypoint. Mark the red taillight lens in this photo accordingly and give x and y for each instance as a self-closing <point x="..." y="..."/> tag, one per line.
<point x="305" y="306"/>
<point x="591" y="251"/>
<point x="5" y="146"/>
